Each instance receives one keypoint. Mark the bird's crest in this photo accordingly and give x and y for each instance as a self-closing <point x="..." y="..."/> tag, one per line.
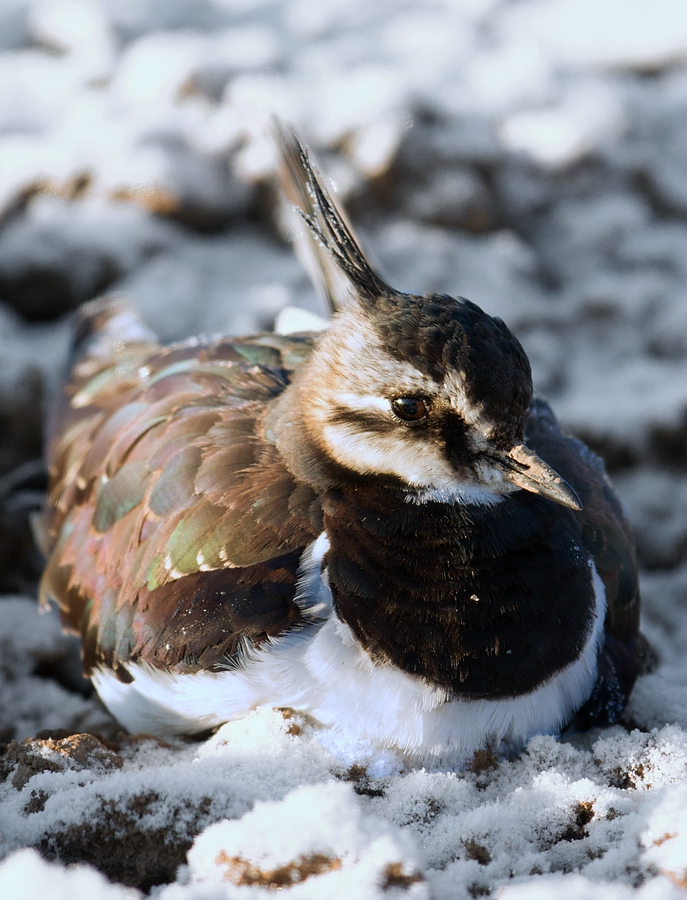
<point x="328" y="246"/>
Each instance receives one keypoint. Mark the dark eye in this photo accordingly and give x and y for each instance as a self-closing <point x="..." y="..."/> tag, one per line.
<point x="410" y="409"/>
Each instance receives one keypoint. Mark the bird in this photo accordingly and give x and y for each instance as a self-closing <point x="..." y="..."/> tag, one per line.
<point x="380" y="524"/>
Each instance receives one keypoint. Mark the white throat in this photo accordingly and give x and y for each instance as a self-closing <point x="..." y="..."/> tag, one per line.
<point x="462" y="493"/>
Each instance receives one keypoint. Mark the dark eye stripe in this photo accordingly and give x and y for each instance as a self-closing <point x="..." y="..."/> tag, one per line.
<point x="410" y="409"/>
<point x="366" y="421"/>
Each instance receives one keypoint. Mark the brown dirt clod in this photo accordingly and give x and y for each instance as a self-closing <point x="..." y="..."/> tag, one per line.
<point x="476" y="851"/>
<point x="79" y="751"/>
<point x="395" y="877"/>
<point x="665" y="837"/>
<point x="483" y="760"/>
<point x="363" y="785"/>
<point x="241" y="871"/>
<point x="584" y="813"/>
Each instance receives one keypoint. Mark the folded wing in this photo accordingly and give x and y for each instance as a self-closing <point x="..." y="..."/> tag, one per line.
<point x="173" y="530"/>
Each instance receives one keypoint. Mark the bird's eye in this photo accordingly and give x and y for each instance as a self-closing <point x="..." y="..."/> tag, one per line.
<point x="410" y="409"/>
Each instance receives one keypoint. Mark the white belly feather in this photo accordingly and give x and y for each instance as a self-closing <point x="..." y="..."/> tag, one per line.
<point x="322" y="669"/>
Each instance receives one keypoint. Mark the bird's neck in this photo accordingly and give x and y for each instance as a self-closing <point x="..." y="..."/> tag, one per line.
<point x="485" y="601"/>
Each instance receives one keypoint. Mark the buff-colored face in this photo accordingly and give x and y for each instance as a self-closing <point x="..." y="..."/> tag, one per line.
<point x="376" y="415"/>
<point x="358" y="407"/>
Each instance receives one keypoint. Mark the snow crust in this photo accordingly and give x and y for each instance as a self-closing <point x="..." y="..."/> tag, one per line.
<point x="355" y="848"/>
<point x="26" y="876"/>
<point x="529" y="155"/>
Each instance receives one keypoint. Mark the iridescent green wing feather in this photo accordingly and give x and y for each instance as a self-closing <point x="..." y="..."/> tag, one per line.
<point x="173" y="529"/>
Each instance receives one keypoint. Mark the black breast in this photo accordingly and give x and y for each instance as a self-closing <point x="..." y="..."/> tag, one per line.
<point x="485" y="601"/>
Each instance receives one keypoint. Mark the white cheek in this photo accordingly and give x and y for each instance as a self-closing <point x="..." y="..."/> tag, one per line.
<point x="418" y="464"/>
<point x="483" y="429"/>
<point x="490" y="475"/>
<point x="363" y="402"/>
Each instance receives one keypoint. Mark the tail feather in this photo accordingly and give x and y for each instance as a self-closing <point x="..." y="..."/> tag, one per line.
<point x="328" y="246"/>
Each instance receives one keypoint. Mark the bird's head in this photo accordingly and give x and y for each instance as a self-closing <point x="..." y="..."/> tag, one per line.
<point x="430" y="393"/>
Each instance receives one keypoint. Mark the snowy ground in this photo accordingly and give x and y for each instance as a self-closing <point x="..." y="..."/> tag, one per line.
<point x="530" y="155"/>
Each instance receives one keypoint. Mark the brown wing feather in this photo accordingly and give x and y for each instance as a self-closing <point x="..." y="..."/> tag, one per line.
<point x="173" y="527"/>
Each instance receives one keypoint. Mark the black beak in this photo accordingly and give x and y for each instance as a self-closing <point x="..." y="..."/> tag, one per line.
<point x="525" y="469"/>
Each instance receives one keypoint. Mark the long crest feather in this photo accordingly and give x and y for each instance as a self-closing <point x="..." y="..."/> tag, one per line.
<point x="331" y="249"/>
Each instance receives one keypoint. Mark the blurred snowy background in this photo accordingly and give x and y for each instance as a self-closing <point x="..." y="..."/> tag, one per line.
<point x="530" y="155"/>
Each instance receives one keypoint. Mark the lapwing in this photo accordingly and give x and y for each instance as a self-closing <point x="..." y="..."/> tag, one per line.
<point x="379" y="524"/>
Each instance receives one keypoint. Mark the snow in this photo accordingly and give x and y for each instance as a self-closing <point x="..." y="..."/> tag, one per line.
<point x="268" y="802"/>
<point x="529" y="155"/>
<point x="26" y="876"/>
<point x="357" y="854"/>
<point x="29" y="704"/>
<point x="244" y="272"/>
